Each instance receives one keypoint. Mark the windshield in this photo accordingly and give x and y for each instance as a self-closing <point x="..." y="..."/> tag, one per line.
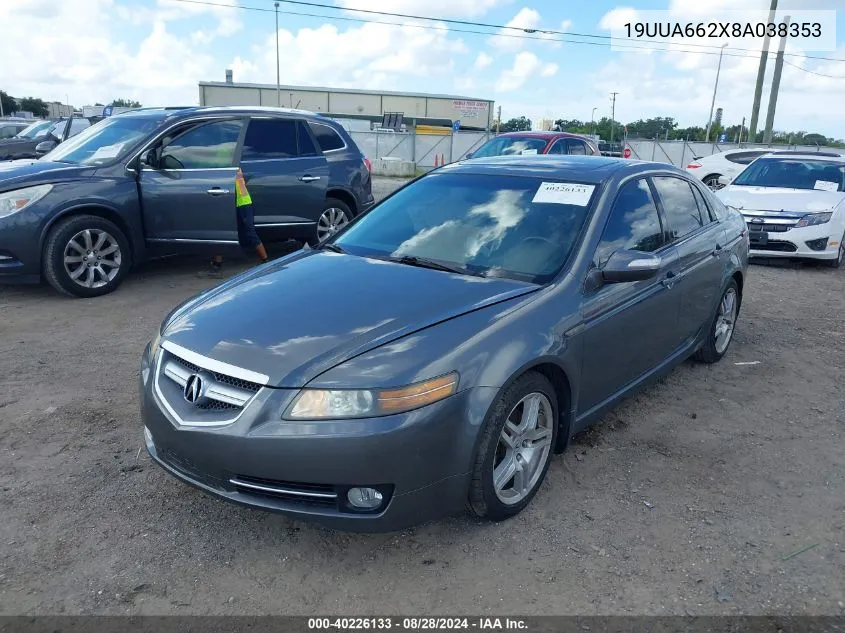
<point x="517" y="227"/>
<point x="510" y="145"/>
<point x="104" y="141"/>
<point x="34" y="129"/>
<point x="793" y="173"/>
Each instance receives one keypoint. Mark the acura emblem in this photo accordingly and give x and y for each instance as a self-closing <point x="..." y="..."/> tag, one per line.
<point x="193" y="389"/>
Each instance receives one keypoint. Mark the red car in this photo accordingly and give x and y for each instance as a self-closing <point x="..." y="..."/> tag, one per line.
<point x="513" y="143"/>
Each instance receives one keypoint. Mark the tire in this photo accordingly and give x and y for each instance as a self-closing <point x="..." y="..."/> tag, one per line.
<point x="836" y="263"/>
<point x="70" y="240"/>
<point x="713" y="348"/>
<point x="496" y="503"/>
<point x="335" y="215"/>
<point x="712" y="181"/>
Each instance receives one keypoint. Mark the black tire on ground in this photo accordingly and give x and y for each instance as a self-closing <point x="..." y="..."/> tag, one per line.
<point x="709" y="352"/>
<point x="334" y="203"/>
<point x="58" y="240"/>
<point x="483" y="500"/>
<point x="712" y="181"/>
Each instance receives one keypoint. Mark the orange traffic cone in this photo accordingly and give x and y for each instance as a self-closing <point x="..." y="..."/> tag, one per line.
<point x="436" y="163"/>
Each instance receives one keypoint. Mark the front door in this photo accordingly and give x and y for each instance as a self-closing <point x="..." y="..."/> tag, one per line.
<point x="188" y="195"/>
<point x="629" y="328"/>
<point x="699" y="240"/>
<point x="286" y="175"/>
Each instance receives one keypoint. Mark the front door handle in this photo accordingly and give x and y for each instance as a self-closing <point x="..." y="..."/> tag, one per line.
<point x="309" y="178"/>
<point x="217" y="191"/>
<point x="668" y="280"/>
<point x="717" y="251"/>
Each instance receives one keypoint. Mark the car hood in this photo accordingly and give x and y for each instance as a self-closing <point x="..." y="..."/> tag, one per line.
<point x="779" y="199"/>
<point x="26" y="172"/>
<point x="304" y="315"/>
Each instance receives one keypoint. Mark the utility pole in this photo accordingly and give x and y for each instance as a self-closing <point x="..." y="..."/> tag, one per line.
<point x="715" y="87"/>
<point x="499" y="120"/>
<point x="612" y="113"/>
<point x="278" y="74"/>
<point x="741" y="127"/>
<point x="761" y="75"/>
<point x="773" y="97"/>
<point x="593" y="122"/>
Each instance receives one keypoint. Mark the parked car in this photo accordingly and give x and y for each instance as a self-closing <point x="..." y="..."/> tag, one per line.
<point x="158" y="181"/>
<point x="22" y="144"/>
<point x="440" y="348"/>
<point x="11" y="127"/>
<point x="709" y="169"/>
<point x="794" y="205"/>
<point x="59" y="132"/>
<point x="512" y="143"/>
<point x="615" y="150"/>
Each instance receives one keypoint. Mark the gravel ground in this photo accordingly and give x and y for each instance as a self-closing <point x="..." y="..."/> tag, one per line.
<point x="717" y="491"/>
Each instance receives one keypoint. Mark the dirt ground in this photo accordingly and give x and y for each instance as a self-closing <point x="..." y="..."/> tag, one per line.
<point x="720" y="490"/>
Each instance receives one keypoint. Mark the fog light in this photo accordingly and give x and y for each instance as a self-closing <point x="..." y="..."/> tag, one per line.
<point x="819" y="244"/>
<point x="364" y="498"/>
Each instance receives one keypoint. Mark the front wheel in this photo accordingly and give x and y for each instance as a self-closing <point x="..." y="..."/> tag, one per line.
<point x="86" y="256"/>
<point x="722" y="328"/>
<point x="840" y="257"/>
<point x="515" y="449"/>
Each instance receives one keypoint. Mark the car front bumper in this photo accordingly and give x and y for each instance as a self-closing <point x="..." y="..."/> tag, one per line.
<point x="811" y="242"/>
<point x="420" y="460"/>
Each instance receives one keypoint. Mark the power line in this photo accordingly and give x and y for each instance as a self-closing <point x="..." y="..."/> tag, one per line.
<point x="604" y="43"/>
<point x="813" y="72"/>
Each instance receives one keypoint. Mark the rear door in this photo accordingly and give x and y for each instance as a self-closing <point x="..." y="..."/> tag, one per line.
<point x="629" y="328"/>
<point x="286" y="175"/>
<point x="699" y="239"/>
<point x="188" y="196"/>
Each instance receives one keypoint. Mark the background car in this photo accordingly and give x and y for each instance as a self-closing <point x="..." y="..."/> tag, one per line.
<point x="58" y="133"/>
<point x="708" y="169"/>
<point x="10" y="128"/>
<point x="461" y="331"/>
<point x="161" y="181"/>
<point x="512" y="143"/>
<point x="794" y="205"/>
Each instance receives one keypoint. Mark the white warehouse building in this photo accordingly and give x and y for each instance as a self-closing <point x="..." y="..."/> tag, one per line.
<point x="367" y="105"/>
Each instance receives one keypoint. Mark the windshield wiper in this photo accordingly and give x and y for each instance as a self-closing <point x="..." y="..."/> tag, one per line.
<point x="334" y="248"/>
<point x="423" y="262"/>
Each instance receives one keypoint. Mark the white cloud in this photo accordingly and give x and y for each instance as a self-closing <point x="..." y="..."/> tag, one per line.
<point x="525" y="65"/>
<point x="482" y="61"/>
<point x="617" y="17"/>
<point x="528" y="19"/>
<point x="438" y="8"/>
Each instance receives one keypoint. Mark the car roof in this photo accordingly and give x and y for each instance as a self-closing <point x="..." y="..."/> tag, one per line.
<point x="543" y="134"/>
<point x="165" y="112"/>
<point x="589" y="169"/>
<point x="829" y="157"/>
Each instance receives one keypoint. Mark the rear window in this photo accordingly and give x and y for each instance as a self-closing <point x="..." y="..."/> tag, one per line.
<point x="509" y="146"/>
<point x="327" y="138"/>
<point x="270" y="139"/>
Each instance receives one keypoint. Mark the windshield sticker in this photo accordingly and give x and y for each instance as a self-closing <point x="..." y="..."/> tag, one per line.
<point x="564" y="193"/>
<point x="826" y="185"/>
<point x="107" y="151"/>
<point x="527" y="152"/>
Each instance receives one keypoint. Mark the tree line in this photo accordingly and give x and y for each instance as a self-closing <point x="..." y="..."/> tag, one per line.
<point x="40" y="108"/>
<point x="666" y="128"/>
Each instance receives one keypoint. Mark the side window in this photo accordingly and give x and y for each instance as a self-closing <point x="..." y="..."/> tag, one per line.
<point x="559" y="147"/>
<point x="633" y="223"/>
<point x="8" y="131"/>
<point x="681" y="209"/>
<point x="575" y="146"/>
<point x="707" y="213"/>
<point x="207" y="146"/>
<point x="270" y="139"/>
<point x="327" y="138"/>
<point x="306" y="144"/>
<point x="77" y="125"/>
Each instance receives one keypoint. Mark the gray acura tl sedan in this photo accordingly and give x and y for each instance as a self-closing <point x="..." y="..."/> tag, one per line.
<point x="437" y="351"/>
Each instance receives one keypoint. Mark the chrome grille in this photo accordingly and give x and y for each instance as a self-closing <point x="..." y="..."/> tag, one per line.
<point x="228" y="380"/>
<point x="771" y="221"/>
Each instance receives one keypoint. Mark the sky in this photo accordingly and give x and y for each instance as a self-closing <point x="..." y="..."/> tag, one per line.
<point x="156" y="51"/>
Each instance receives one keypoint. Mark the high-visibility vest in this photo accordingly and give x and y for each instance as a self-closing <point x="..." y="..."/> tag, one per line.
<point x="242" y="197"/>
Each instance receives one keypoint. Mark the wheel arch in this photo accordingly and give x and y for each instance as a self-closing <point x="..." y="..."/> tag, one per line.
<point x="346" y="197"/>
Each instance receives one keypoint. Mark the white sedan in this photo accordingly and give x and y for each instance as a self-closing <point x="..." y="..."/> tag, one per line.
<point x="708" y="169"/>
<point x="794" y="206"/>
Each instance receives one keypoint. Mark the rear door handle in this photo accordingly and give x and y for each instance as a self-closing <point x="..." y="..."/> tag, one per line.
<point x="217" y="191"/>
<point x="309" y="178"/>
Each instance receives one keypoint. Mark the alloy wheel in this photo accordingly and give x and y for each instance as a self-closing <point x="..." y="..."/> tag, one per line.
<point x="725" y="321"/>
<point x="332" y="220"/>
<point x="523" y="448"/>
<point x="713" y="183"/>
<point x="92" y="258"/>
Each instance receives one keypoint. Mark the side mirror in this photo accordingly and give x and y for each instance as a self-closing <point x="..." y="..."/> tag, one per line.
<point x="45" y="147"/>
<point x="469" y="155"/>
<point x="725" y="180"/>
<point x="149" y="159"/>
<point x="625" y="266"/>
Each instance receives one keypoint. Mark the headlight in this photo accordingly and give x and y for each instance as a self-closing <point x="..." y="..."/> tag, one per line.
<point x="331" y="404"/>
<point x="13" y="201"/>
<point x="155" y="344"/>
<point x="813" y="219"/>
